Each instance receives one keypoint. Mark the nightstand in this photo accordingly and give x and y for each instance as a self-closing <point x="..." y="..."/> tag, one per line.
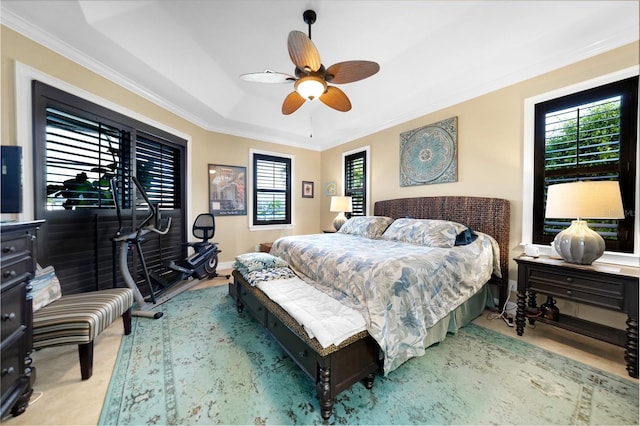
<point x="607" y="286"/>
<point x="265" y="247"/>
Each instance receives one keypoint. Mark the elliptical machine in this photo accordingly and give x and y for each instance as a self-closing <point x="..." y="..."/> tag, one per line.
<point x="174" y="278"/>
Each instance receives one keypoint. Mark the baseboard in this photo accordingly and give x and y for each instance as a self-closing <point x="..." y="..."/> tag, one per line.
<point x="225" y="265"/>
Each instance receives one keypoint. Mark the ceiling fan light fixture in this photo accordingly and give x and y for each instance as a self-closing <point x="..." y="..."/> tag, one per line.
<point x="311" y="87"/>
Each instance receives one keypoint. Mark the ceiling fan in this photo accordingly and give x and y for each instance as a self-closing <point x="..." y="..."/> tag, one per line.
<point x="311" y="77"/>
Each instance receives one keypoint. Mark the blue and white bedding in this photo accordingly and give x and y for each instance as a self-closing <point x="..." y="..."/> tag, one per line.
<point x="401" y="289"/>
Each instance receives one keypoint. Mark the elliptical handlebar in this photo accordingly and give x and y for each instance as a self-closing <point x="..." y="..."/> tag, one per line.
<point x="151" y="223"/>
<point x="154" y="212"/>
<point x="153" y="228"/>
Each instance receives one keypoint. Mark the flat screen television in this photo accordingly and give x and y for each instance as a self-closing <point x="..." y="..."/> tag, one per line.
<point x="11" y="180"/>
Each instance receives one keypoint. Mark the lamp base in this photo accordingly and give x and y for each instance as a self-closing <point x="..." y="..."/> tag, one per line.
<point x="579" y="244"/>
<point x="339" y="221"/>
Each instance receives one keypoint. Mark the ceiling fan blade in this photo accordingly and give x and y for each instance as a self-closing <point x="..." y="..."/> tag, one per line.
<point x="268" y="76"/>
<point x="303" y="52"/>
<point x="350" y="71"/>
<point x="336" y="99"/>
<point x="292" y="102"/>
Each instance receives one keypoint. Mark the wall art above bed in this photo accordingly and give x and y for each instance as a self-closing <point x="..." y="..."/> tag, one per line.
<point x="429" y="154"/>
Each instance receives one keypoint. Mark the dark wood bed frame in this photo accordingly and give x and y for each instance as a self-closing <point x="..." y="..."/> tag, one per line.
<point x="336" y="368"/>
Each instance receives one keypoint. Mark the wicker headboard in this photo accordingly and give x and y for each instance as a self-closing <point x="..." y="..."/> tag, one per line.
<point x="488" y="215"/>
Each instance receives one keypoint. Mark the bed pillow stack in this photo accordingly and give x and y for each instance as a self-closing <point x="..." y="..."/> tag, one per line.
<point x="426" y="232"/>
<point x="366" y="226"/>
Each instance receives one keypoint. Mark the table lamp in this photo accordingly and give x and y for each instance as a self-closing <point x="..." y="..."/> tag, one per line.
<point x="582" y="200"/>
<point x="340" y="205"/>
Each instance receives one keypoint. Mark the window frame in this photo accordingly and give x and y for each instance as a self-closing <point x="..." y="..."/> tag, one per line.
<point x="98" y="222"/>
<point x="367" y="158"/>
<point x="529" y="170"/>
<point x="255" y="225"/>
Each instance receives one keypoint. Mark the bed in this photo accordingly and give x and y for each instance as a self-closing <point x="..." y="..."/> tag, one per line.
<point x="390" y="337"/>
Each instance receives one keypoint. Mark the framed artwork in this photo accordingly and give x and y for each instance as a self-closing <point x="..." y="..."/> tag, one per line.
<point x="330" y="189"/>
<point x="227" y="196"/>
<point x="307" y="189"/>
<point x="429" y="154"/>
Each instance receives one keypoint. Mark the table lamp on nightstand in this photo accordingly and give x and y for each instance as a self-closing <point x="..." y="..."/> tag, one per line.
<point x="340" y="205"/>
<point x="582" y="200"/>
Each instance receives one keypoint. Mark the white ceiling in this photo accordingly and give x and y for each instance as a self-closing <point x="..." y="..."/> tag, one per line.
<point x="186" y="55"/>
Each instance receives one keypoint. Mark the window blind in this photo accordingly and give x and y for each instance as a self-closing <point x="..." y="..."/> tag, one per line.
<point x="355" y="181"/>
<point x="590" y="135"/>
<point x="82" y="155"/>
<point x="272" y="190"/>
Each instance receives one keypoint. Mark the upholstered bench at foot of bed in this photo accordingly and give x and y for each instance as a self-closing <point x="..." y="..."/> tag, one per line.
<point x="333" y="368"/>
<point x="79" y="319"/>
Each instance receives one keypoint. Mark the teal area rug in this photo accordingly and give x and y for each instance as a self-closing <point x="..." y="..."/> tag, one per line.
<point x="202" y="363"/>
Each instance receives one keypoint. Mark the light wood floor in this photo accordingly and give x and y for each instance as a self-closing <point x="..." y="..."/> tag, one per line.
<point x="61" y="398"/>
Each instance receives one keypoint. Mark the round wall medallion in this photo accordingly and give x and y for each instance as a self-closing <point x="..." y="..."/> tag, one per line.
<point x="427" y="154"/>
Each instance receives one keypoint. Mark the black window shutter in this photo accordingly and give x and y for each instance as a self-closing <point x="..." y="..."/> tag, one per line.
<point x="355" y="186"/>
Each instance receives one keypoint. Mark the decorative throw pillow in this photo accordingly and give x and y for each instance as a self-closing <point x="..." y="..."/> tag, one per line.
<point x="45" y="287"/>
<point x="250" y="262"/>
<point x="366" y="226"/>
<point x="466" y="237"/>
<point x="256" y="277"/>
<point x="426" y="232"/>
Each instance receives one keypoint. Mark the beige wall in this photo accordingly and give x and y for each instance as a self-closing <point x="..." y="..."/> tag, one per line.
<point x="490" y="142"/>
<point x="490" y="153"/>
<point x="232" y="232"/>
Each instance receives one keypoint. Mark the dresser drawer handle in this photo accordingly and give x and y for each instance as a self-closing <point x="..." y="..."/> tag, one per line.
<point x="569" y="293"/>
<point x="8" y="274"/>
<point x="7" y="371"/>
<point x="569" y="279"/>
<point x="8" y="317"/>
<point x="8" y="249"/>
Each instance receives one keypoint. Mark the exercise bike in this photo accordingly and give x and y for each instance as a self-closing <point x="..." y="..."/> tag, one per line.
<point x="174" y="278"/>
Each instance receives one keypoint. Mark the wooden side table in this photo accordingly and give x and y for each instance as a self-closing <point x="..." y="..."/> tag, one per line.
<point x="607" y="286"/>
<point x="265" y="247"/>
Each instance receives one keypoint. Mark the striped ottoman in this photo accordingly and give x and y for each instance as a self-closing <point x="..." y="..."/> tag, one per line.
<point x="79" y="319"/>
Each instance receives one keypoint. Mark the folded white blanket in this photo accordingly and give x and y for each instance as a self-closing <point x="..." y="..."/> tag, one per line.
<point x="322" y="317"/>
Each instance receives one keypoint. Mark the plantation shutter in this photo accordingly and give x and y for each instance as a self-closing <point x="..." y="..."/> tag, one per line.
<point x="272" y="190"/>
<point x="82" y="155"/>
<point x="157" y="169"/>
<point x="585" y="137"/>
<point x="355" y="181"/>
<point x="78" y="147"/>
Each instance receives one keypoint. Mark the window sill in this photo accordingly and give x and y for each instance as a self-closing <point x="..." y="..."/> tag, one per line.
<point x="622" y="259"/>
<point x="269" y="227"/>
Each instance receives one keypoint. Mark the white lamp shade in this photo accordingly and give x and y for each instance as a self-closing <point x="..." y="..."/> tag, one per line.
<point x="586" y="200"/>
<point x="340" y="204"/>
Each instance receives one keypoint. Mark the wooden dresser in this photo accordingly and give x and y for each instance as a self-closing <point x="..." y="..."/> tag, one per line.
<point x="18" y="262"/>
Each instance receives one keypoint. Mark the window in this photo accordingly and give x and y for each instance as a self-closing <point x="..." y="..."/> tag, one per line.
<point x="356" y="178"/>
<point x="589" y="135"/>
<point x="78" y="147"/>
<point x="272" y="176"/>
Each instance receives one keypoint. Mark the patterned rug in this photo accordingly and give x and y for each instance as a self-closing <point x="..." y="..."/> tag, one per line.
<point x="202" y="363"/>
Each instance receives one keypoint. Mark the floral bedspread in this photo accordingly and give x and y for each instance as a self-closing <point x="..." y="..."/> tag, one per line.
<point x="400" y="289"/>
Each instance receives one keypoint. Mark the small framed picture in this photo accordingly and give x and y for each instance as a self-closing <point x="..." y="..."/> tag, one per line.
<point x="307" y="189"/>
<point x="330" y="188"/>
